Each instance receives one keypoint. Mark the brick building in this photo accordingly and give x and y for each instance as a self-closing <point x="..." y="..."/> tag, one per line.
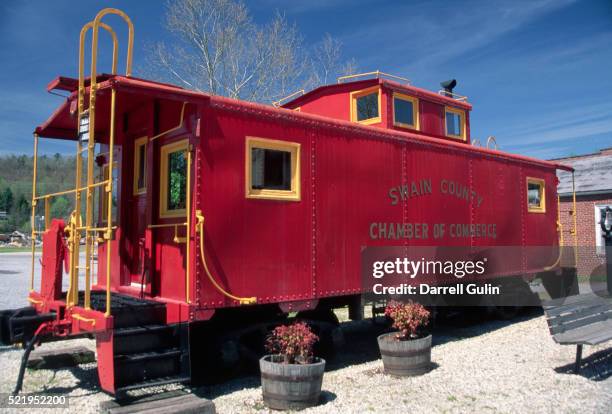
<point x="593" y="180"/>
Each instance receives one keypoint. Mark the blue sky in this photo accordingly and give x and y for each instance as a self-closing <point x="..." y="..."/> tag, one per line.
<point x="538" y="73"/>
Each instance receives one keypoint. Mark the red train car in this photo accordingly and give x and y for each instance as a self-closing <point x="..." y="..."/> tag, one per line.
<point x="204" y="209"/>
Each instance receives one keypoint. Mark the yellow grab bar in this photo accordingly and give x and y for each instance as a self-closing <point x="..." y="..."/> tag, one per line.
<point x="82" y="35"/>
<point x="560" y="231"/>
<point x="84" y="319"/>
<point x="175" y="128"/>
<point x="33" y="222"/>
<point x="38" y="302"/>
<point x="200" y="227"/>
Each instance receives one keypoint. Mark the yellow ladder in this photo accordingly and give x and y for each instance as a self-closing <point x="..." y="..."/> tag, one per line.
<point x="86" y="142"/>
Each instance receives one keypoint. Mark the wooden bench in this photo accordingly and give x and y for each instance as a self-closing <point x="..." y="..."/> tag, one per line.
<point x="580" y="320"/>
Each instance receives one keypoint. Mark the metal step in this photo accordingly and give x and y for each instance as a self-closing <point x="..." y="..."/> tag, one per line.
<point x="148" y="356"/>
<point x="139" y="339"/>
<point x="146" y="366"/>
<point x="139" y="330"/>
<point x="152" y="383"/>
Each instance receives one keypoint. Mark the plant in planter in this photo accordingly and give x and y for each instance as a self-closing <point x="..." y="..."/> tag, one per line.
<point x="406" y="352"/>
<point x="291" y="376"/>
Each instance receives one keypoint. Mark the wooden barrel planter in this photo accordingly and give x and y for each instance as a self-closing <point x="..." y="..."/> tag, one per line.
<point x="290" y="386"/>
<point x="405" y="358"/>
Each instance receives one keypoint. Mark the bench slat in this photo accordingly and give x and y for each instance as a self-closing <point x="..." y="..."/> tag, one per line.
<point x="585" y="321"/>
<point x="580" y="314"/>
<point x="577" y="306"/>
<point x="593" y="334"/>
<point x="571" y="300"/>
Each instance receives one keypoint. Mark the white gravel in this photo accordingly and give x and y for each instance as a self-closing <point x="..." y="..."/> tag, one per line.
<point x="507" y="368"/>
<point x="489" y="367"/>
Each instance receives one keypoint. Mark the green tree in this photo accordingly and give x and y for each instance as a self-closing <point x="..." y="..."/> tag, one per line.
<point x="60" y="208"/>
<point x="6" y="199"/>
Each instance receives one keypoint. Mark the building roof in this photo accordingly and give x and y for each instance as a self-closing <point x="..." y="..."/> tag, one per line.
<point x="593" y="175"/>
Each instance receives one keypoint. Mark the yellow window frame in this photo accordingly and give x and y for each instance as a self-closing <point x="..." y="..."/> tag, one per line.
<point x="140" y="142"/>
<point x="268" y="194"/>
<point x="542" y="186"/>
<point x="165" y="151"/>
<point x="415" y="110"/>
<point x="353" y="102"/>
<point x="461" y="114"/>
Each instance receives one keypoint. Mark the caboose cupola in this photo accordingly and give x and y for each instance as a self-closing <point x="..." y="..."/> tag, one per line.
<point x="391" y="102"/>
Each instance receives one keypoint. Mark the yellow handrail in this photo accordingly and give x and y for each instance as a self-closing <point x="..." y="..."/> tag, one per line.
<point x="38" y="302"/>
<point x="560" y="231"/>
<point x="84" y="30"/>
<point x="200" y="228"/>
<point x="84" y="319"/>
<point x="574" y="213"/>
<point x="72" y="191"/>
<point x="33" y="223"/>
<point x="109" y="210"/>
<point x="278" y="103"/>
<point x="180" y="125"/>
<point x="176" y="238"/>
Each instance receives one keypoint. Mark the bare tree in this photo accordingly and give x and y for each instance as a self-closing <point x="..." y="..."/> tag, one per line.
<point x="326" y="62"/>
<point x="220" y="50"/>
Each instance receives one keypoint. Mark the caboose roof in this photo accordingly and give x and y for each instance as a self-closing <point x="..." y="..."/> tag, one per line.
<point x="363" y="84"/>
<point x="62" y="123"/>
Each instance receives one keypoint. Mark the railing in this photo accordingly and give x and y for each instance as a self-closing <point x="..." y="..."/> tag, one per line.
<point x="86" y="142"/>
<point x="491" y="140"/>
<point x="376" y="74"/>
<point x="455" y="96"/>
<point x="281" y="100"/>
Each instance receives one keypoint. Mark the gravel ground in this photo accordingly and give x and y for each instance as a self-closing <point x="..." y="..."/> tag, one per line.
<point x="508" y="367"/>
<point x="512" y="367"/>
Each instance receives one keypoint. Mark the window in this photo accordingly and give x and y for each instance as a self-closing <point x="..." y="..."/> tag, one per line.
<point x="455" y="123"/>
<point x="600" y="241"/>
<point x="173" y="180"/>
<point x="536" y="196"/>
<point x="365" y="106"/>
<point x="405" y="111"/>
<point x="140" y="166"/>
<point x="272" y="169"/>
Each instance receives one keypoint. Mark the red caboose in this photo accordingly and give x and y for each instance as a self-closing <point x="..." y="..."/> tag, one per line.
<point x="202" y="208"/>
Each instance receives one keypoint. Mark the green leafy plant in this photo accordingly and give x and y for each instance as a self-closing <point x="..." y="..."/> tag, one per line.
<point x="408" y="318"/>
<point x="293" y="342"/>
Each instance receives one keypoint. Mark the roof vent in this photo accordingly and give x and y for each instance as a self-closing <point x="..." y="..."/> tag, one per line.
<point x="448" y="86"/>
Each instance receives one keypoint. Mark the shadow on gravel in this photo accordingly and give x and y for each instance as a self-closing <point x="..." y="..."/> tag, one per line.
<point x="228" y="387"/>
<point x="87" y="379"/>
<point x="474" y="323"/>
<point x="596" y="367"/>
<point x="326" y="397"/>
<point x="361" y="345"/>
